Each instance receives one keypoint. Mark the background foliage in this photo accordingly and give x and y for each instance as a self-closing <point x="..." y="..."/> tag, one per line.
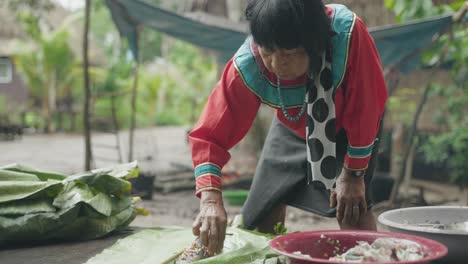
<point x="450" y="146"/>
<point x="175" y="77"/>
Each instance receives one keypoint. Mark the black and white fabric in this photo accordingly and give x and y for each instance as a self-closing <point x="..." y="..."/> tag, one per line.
<point x="320" y="130"/>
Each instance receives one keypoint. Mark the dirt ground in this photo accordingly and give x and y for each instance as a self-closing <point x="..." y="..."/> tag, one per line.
<point x="182" y="207"/>
<point x="156" y="149"/>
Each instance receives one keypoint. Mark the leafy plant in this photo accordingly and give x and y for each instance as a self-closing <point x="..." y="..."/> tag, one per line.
<point x="50" y="69"/>
<point x="107" y="37"/>
<point x="198" y="69"/>
<point x="410" y="9"/>
<point x="172" y="96"/>
<point x="402" y="106"/>
<point x="31" y="5"/>
<point x="280" y="229"/>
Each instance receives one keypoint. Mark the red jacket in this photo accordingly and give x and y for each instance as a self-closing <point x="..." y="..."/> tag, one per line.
<point x="232" y="107"/>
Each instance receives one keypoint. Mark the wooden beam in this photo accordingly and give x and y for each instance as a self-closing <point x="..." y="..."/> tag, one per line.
<point x="87" y="91"/>
<point x="134" y="96"/>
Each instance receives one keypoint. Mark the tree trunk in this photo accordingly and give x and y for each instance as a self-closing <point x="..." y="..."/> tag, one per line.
<point x="413" y="132"/>
<point x="69" y="110"/>
<point x="133" y="109"/>
<point x="463" y="194"/>
<point x="116" y="127"/>
<point x="466" y="196"/>
<point x="236" y="9"/>
<point x="46" y="110"/>
<point x="87" y="92"/>
<point x="409" y="170"/>
<point x="134" y="96"/>
<point x="215" y="7"/>
<point x="397" y="149"/>
<point x="52" y="102"/>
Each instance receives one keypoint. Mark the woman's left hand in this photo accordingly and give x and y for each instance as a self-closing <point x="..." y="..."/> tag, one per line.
<point x="349" y="198"/>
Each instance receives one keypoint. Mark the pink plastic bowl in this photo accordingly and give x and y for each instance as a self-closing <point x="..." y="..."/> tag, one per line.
<point x="308" y="243"/>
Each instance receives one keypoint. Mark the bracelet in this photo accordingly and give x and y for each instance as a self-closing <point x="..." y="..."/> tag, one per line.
<point x="356" y="173"/>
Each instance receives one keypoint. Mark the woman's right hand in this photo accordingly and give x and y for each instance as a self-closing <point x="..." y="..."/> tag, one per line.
<point x="210" y="224"/>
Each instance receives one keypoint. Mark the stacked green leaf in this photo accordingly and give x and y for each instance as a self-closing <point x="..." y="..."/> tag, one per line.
<point x="38" y="206"/>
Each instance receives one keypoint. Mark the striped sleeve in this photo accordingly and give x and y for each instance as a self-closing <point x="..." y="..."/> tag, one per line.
<point x="357" y="158"/>
<point x="208" y="177"/>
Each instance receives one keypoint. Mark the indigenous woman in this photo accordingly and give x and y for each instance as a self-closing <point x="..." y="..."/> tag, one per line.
<point x="319" y="68"/>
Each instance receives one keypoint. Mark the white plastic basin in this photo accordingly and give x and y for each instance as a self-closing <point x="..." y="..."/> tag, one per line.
<point x="410" y="221"/>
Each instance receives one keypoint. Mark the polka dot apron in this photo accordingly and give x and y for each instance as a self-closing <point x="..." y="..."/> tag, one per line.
<point x="320" y="129"/>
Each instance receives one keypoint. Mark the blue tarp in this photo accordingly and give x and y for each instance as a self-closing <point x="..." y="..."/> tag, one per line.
<point x="395" y="43"/>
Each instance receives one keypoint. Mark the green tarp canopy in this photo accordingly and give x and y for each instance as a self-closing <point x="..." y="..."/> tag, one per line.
<point x="395" y="43"/>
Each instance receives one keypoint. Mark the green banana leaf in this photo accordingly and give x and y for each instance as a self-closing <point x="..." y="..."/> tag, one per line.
<point x="164" y="245"/>
<point x="7" y="175"/>
<point x="17" y="190"/>
<point x="34" y="227"/>
<point x="79" y="222"/>
<point x="113" y="180"/>
<point x="244" y="247"/>
<point x="84" y="226"/>
<point x="23" y="207"/>
<point x="147" y="246"/>
<point x="80" y="207"/>
<point x="76" y="192"/>
<point x="42" y="175"/>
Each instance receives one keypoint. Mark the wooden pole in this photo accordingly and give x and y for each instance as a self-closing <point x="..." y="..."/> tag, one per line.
<point x="134" y="96"/>
<point x="412" y="133"/>
<point x="87" y="92"/>
<point x="115" y="121"/>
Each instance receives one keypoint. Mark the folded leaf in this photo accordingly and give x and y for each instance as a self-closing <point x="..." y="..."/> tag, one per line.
<point x="7" y="175"/>
<point x="84" y="206"/>
<point x="16" y="190"/>
<point x="74" y="193"/>
<point x="35" y="227"/>
<point x="111" y="180"/>
<point x="25" y="207"/>
<point x="42" y="175"/>
<point x="84" y="227"/>
<point x="80" y="222"/>
<point x="124" y="171"/>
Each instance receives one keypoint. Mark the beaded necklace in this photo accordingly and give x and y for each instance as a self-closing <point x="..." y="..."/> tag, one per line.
<point x="283" y="107"/>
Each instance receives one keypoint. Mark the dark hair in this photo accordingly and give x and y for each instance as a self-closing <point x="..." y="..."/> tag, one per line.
<point x="290" y="24"/>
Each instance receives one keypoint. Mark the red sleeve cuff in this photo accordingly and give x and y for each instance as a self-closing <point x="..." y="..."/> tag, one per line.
<point x="208" y="183"/>
<point x="357" y="157"/>
<point x="356" y="164"/>
<point x="208" y="178"/>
